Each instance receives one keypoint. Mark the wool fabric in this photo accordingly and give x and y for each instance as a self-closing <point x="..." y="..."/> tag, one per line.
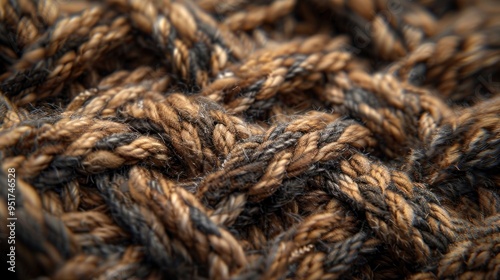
<point x="238" y="139"/>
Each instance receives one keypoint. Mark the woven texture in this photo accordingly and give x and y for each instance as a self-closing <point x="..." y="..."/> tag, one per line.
<point x="235" y="139"/>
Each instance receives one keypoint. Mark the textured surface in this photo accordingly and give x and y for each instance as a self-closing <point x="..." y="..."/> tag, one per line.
<point x="243" y="139"/>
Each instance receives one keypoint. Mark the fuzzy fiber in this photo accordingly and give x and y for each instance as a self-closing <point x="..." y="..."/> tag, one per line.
<point x="238" y="139"/>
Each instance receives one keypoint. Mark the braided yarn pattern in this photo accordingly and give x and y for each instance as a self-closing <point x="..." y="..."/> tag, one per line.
<point x="236" y="139"/>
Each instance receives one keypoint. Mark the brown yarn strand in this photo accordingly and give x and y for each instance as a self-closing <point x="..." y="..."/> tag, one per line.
<point x="235" y="139"/>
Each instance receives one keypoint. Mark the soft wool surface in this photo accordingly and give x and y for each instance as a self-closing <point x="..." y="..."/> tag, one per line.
<point x="286" y="139"/>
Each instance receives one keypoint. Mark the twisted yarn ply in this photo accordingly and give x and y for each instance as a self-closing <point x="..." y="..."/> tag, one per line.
<point x="237" y="139"/>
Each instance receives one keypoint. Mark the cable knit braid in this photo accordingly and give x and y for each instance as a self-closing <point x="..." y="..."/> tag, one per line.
<point x="235" y="139"/>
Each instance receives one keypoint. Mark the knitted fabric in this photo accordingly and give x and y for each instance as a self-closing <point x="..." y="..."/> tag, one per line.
<point x="238" y="139"/>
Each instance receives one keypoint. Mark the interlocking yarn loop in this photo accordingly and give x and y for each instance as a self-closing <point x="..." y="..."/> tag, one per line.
<point x="238" y="139"/>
